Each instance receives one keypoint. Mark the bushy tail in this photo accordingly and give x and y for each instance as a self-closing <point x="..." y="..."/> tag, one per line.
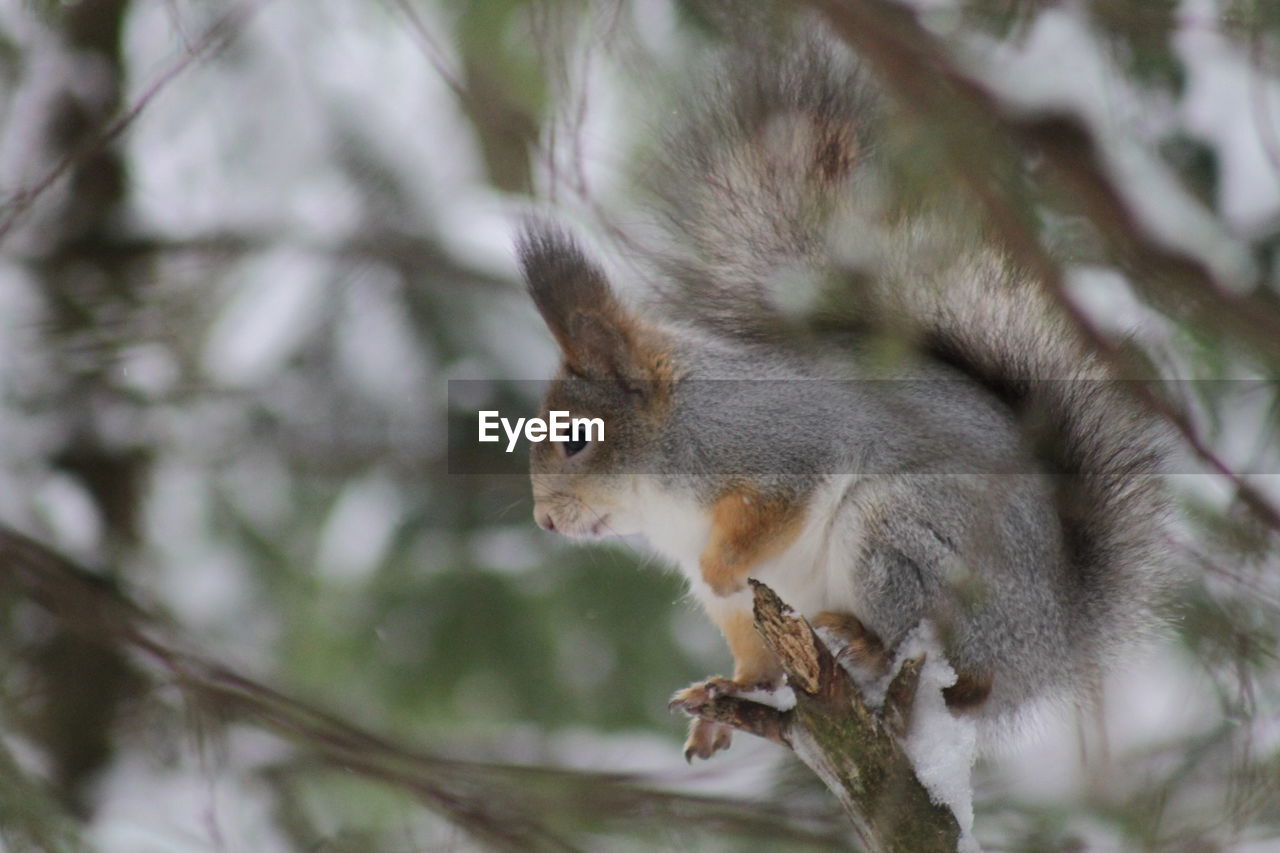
<point x="1105" y="449"/>
<point x="754" y="173"/>
<point x="774" y="209"/>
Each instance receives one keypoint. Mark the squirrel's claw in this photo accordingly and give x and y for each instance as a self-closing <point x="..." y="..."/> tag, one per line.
<point x="706" y="739"/>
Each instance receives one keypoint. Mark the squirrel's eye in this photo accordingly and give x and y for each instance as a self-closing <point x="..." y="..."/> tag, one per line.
<point x="573" y="445"/>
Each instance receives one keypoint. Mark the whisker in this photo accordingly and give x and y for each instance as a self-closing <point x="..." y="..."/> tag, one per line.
<point x="506" y="509"/>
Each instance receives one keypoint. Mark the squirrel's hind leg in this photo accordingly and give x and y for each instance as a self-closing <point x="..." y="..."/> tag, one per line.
<point x="851" y="642"/>
<point x="855" y="646"/>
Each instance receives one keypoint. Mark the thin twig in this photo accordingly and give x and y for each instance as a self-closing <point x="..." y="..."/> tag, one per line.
<point x="213" y="40"/>
<point x="432" y="52"/>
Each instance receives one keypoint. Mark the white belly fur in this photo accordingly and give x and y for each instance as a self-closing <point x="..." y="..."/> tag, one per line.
<point x="813" y="574"/>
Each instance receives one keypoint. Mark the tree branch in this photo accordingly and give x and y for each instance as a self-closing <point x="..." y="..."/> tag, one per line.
<point x="855" y="751"/>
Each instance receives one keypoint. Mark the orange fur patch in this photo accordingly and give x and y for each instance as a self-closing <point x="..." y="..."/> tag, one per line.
<point x="747" y="529"/>
<point x="753" y="663"/>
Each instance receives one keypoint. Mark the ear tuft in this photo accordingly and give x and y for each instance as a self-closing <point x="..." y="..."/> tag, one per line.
<point x="573" y="296"/>
<point x="600" y="339"/>
<point x="561" y="279"/>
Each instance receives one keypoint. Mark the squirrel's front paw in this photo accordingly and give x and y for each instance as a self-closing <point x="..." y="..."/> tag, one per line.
<point x="706" y="737"/>
<point x="696" y="697"/>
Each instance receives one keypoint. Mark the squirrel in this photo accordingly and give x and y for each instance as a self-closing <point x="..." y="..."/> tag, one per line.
<point x="995" y="479"/>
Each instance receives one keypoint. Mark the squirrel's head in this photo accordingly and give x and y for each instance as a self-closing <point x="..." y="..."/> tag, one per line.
<point x="615" y="366"/>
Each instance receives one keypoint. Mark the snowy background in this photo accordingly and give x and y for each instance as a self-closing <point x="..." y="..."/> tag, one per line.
<point x="243" y="248"/>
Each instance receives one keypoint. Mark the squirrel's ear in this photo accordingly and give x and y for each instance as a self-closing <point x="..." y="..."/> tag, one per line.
<point x="600" y="339"/>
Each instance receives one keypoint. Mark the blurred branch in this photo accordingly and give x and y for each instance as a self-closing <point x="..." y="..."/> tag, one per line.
<point x="920" y="72"/>
<point x="506" y="806"/>
<point x="222" y="30"/>
<point x="855" y="752"/>
<point x="414" y="252"/>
